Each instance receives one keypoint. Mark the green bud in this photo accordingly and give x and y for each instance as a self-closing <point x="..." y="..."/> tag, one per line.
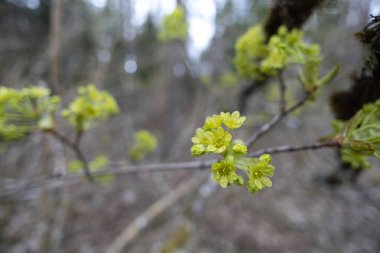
<point x="329" y="76"/>
<point x="359" y="147"/>
<point x="240" y="149"/>
<point x="198" y="150"/>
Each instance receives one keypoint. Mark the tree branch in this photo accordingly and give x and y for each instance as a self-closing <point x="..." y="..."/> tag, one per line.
<point x="74" y="146"/>
<point x="121" y="168"/>
<point x="275" y="120"/>
<point x="287" y="148"/>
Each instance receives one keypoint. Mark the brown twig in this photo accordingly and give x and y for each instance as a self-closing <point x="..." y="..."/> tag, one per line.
<point x="288" y="149"/>
<point x="75" y="147"/>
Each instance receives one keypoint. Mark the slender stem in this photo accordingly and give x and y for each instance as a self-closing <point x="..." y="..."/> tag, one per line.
<point x="275" y="120"/>
<point x="62" y="138"/>
<point x="288" y="149"/>
<point x="78" y="137"/>
<point x="131" y="169"/>
<point x="121" y="168"/>
<point x="86" y="168"/>
<point x="74" y="146"/>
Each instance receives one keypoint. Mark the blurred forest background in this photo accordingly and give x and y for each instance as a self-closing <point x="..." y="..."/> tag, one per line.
<point x="168" y="89"/>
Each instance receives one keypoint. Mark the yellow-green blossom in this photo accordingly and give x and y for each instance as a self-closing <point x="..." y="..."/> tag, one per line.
<point x="144" y="143"/>
<point x="259" y="174"/>
<point x="90" y="106"/>
<point x="201" y="137"/>
<point x="214" y="140"/>
<point x="174" y="26"/>
<point x="219" y="141"/>
<point x="257" y="59"/>
<point x="26" y="110"/>
<point x="213" y="122"/>
<point x="198" y="150"/>
<point x="224" y="173"/>
<point x="215" y="137"/>
<point x="250" y="48"/>
<point x="233" y="120"/>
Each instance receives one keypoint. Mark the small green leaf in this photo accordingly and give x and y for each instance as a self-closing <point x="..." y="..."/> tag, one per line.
<point x="329" y="76"/>
<point x="359" y="147"/>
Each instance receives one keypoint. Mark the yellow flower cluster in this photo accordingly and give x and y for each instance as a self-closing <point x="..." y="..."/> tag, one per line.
<point x="144" y="143"/>
<point x="26" y="110"/>
<point x="216" y="137"/>
<point x="90" y="106"/>
<point x="257" y="59"/>
<point x="174" y="26"/>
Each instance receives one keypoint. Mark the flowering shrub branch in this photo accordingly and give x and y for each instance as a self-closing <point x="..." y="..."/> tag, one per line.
<point x="34" y="109"/>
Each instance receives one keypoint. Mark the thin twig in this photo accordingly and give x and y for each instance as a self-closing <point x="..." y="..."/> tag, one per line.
<point x="288" y="149"/>
<point x="74" y="146"/>
<point x="78" y="137"/>
<point x="121" y="168"/>
<point x="275" y="120"/>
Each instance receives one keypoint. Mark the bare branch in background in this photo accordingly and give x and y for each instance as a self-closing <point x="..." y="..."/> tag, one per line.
<point x="289" y="149"/>
<point x="142" y="221"/>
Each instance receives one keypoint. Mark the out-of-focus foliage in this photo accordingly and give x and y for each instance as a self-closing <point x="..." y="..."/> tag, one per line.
<point x="174" y="26"/>
<point x="360" y="136"/>
<point x="90" y="106"/>
<point x="310" y="79"/>
<point x="356" y="160"/>
<point x="257" y="59"/>
<point x="216" y="137"/>
<point x="144" y="144"/>
<point x="250" y="49"/>
<point x="26" y="110"/>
